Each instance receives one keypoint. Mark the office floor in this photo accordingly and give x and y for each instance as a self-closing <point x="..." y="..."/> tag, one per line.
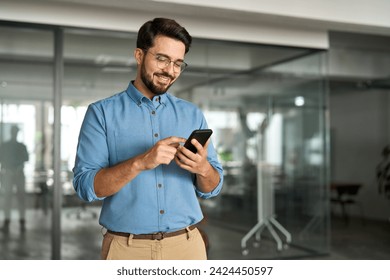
<point x="81" y="239"/>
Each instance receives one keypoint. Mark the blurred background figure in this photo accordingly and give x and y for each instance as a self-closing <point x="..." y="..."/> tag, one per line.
<point x="13" y="155"/>
<point x="383" y="172"/>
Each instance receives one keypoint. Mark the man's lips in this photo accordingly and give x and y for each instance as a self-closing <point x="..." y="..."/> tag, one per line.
<point x="164" y="78"/>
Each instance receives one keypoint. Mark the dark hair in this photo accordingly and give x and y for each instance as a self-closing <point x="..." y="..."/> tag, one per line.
<point x="162" y="26"/>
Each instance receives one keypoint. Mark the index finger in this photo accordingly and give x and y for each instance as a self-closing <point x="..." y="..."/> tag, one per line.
<point x="172" y="140"/>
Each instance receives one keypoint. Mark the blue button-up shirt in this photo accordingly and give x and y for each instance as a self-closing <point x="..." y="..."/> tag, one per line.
<point x="128" y="124"/>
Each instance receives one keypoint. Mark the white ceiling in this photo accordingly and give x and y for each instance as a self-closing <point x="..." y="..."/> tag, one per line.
<point x="315" y="14"/>
<point x="99" y="61"/>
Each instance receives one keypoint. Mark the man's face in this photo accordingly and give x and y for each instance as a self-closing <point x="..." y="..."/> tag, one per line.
<point x="156" y="79"/>
<point x="156" y="88"/>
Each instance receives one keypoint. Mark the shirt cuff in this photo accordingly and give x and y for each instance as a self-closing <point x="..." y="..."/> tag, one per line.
<point x="215" y="191"/>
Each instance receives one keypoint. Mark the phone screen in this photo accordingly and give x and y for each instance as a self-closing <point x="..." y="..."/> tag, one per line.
<point x="201" y="135"/>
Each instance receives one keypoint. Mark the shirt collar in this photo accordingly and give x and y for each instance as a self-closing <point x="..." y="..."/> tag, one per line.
<point x="139" y="98"/>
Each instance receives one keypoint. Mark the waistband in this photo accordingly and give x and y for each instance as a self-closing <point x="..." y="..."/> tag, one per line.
<point x="153" y="236"/>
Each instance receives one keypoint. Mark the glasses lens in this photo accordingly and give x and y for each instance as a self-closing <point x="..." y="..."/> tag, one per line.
<point x="163" y="62"/>
<point x="183" y="66"/>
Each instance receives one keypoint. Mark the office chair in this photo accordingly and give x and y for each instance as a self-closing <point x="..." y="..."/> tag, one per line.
<point x="346" y="195"/>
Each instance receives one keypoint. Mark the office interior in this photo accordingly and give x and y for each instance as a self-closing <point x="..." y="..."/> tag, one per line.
<point x="293" y="126"/>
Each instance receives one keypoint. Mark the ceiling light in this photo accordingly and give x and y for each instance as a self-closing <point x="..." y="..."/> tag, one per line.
<point x="299" y="101"/>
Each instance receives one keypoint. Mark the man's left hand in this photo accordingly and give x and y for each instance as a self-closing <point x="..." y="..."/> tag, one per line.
<point x="194" y="162"/>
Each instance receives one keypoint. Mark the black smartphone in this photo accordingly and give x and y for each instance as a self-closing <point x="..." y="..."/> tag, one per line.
<point x="202" y="135"/>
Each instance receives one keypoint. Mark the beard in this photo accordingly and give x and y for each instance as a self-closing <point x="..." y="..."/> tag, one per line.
<point x="154" y="88"/>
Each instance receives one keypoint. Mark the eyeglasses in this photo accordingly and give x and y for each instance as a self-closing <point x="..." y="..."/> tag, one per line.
<point x="163" y="62"/>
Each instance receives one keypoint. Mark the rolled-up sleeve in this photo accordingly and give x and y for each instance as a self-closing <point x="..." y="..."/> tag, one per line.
<point x="212" y="158"/>
<point x="92" y="154"/>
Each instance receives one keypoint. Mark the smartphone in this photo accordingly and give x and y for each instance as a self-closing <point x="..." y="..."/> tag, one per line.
<point x="202" y="135"/>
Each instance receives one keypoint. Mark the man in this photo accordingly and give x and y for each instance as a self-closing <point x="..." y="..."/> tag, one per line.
<point x="130" y="156"/>
<point x="13" y="155"/>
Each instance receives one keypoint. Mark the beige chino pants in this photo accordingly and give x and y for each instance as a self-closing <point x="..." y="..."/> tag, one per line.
<point x="187" y="246"/>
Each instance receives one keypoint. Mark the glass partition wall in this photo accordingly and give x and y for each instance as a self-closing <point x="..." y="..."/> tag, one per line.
<point x="26" y="108"/>
<point x="97" y="64"/>
<point x="271" y="134"/>
<point x="266" y="105"/>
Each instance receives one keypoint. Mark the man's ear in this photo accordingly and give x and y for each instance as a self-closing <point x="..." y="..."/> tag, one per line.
<point x="138" y="55"/>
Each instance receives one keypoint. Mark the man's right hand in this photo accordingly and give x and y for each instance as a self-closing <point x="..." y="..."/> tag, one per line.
<point x="163" y="152"/>
<point x="111" y="179"/>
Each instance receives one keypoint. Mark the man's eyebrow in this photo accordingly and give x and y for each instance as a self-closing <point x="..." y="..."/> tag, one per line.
<point x="167" y="56"/>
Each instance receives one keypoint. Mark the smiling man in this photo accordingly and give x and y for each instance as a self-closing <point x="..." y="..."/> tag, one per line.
<point x="130" y="156"/>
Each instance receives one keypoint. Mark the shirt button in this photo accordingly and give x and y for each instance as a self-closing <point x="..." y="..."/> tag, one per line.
<point x="156" y="135"/>
<point x="159" y="185"/>
<point x="162" y="211"/>
<point x="153" y="112"/>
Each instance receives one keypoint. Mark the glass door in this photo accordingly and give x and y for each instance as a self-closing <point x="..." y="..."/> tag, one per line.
<point x="293" y="167"/>
<point x="274" y="148"/>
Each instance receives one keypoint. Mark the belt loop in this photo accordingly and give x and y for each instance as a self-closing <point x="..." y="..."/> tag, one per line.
<point x="130" y="240"/>
<point x="189" y="233"/>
